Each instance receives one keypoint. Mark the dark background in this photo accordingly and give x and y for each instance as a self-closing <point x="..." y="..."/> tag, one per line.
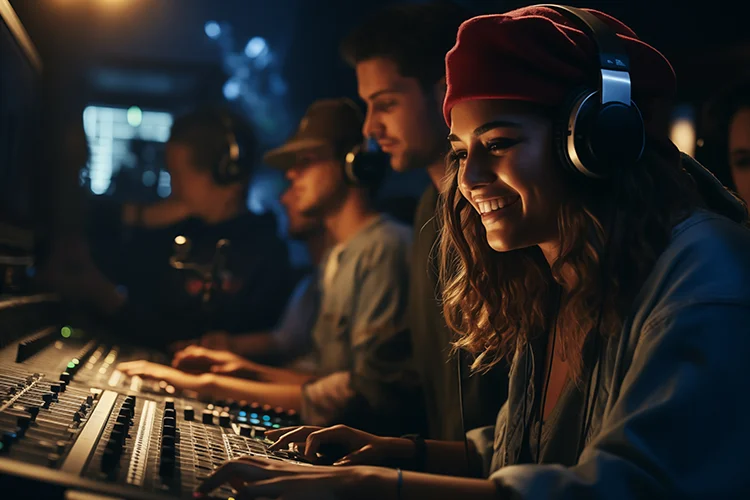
<point x="155" y="53"/>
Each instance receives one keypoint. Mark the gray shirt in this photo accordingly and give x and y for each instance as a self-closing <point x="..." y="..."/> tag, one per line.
<point x="361" y="338"/>
<point x="669" y="414"/>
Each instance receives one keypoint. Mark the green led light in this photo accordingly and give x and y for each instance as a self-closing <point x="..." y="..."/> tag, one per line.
<point x="75" y="361"/>
<point x="135" y="116"/>
<point x="66" y="332"/>
<point x="2" y="446"/>
<point x="71" y="365"/>
<point x="276" y="426"/>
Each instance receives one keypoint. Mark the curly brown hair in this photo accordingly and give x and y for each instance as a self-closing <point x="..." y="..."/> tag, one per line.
<point x="498" y="302"/>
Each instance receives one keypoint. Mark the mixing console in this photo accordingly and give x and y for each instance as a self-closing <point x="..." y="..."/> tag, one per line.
<point x="70" y="422"/>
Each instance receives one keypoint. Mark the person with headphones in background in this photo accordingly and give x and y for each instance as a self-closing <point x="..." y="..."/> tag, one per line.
<point x="361" y="341"/>
<point x="210" y="157"/>
<point x="576" y="241"/>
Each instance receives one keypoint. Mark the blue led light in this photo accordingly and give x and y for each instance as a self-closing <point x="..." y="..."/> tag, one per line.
<point x="243" y="414"/>
<point x="254" y="421"/>
<point x="241" y="419"/>
<point x="267" y="424"/>
<point x="253" y="415"/>
<point x="266" y="418"/>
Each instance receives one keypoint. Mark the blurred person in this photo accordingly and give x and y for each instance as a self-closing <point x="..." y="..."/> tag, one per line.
<point x="291" y="338"/>
<point x="209" y="156"/>
<point x="596" y="265"/>
<point x="361" y="338"/>
<point x="398" y="55"/>
<point x="728" y="132"/>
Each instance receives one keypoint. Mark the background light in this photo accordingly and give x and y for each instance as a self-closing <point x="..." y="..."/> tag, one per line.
<point x="682" y="131"/>
<point x="255" y="47"/>
<point x="232" y="90"/>
<point x="212" y="29"/>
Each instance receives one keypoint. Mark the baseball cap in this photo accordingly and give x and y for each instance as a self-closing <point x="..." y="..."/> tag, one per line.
<point x="327" y="122"/>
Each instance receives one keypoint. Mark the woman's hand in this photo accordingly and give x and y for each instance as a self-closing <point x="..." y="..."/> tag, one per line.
<point x="353" y="446"/>
<point x="176" y="378"/>
<point x="255" y="477"/>
<point x="198" y="359"/>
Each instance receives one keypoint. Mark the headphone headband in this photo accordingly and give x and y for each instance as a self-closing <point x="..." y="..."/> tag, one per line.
<point x="602" y="128"/>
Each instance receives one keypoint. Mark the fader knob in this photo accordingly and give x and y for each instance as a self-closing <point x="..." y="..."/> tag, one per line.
<point x="171" y="413"/>
<point x="189" y="413"/>
<point x="245" y="430"/>
<point x="224" y="419"/>
<point x="169" y="421"/>
<point x="208" y="417"/>
<point x="169" y="404"/>
<point x="168" y="430"/>
<point x="65" y="377"/>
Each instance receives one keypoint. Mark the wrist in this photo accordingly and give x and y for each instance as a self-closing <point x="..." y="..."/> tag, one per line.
<point x="379" y="483"/>
<point x="401" y="449"/>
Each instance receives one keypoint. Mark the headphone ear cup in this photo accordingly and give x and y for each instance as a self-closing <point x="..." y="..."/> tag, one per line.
<point x="366" y="168"/>
<point x="592" y="140"/>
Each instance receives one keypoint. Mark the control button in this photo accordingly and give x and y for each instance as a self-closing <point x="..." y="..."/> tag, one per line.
<point x="109" y="459"/>
<point x="123" y="419"/>
<point x="166" y="466"/>
<point x="7" y="439"/>
<point x="89" y="400"/>
<point x="170" y="413"/>
<point x="208" y="417"/>
<point x="52" y="459"/>
<point x="167" y="441"/>
<point x="189" y="413"/>
<point x="169" y="421"/>
<point x="24" y="420"/>
<point x="120" y="428"/>
<point x="77" y="416"/>
<point x="117" y="438"/>
<point x="168" y="430"/>
<point x="167" y="452"/>
<point x="169" y="404"/>
<point x="60" y="447"/>
<point x="32" y="410"/>
<point x="65" y="377"/>
<point x="225" y="420"/>
<point x="258" y="432"/>
<point x="48" y="397"/>
<point x="245" y="430"/>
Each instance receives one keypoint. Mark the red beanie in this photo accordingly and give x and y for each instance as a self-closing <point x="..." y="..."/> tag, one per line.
<point x="537" y="54"/>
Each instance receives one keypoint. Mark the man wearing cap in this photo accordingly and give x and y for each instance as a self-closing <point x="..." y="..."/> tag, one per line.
<point x="361" y="339"/>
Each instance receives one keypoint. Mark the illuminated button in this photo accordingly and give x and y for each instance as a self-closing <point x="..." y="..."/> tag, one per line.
<point x="254" y="421"/>
<point x="276" y="426"/>
<point x="242" y="419"/>
<point x="253" y="415"/>
<point x="266" y="418"/>
<point x="243" y="414"/>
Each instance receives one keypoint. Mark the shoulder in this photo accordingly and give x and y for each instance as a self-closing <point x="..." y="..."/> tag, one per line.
<point x="387" y="242"/>
<point x="706" y="262"/>
<point x="426" y="207"/>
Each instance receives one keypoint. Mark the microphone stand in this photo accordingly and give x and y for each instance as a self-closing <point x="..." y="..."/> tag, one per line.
<point x="210" y="274"/>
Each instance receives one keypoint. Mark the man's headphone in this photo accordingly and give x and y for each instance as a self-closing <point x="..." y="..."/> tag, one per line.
<point x="366" y="165"/>
<point x="231" y="166"/>
<point x="601" y="129"/>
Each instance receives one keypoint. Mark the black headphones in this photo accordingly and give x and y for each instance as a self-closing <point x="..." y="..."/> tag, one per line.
<point x="231" y="166"/>
<point x="601" y="129"/>
<point x="366" y="165"/>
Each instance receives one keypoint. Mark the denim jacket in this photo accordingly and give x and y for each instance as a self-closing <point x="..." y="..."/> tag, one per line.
<point x="669" y="415"/>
